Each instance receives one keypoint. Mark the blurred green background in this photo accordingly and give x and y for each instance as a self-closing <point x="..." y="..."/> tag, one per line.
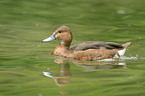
<point x="23" y="58"/>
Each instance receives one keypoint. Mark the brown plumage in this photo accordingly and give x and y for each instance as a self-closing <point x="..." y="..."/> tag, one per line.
<point x="87" y="51"/>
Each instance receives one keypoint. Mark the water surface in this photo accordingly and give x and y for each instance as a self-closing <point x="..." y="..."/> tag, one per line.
<point x="27" y="67"/>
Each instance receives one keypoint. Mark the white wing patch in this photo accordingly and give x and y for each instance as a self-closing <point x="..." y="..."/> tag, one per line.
<point x="120" y="53"/>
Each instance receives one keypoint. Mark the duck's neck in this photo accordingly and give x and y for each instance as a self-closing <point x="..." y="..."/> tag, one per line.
<point x="62" y="49"/>
<point x="65" y="44"/>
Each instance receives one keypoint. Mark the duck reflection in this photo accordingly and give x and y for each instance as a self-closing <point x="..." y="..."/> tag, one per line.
<point x="64" y="75"/>
<point x="96" y="66"/>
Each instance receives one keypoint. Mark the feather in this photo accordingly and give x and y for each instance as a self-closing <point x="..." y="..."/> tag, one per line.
<point x="95" y="45"/>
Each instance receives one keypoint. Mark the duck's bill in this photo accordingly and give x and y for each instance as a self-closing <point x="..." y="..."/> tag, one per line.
<point x="52" y="37"/>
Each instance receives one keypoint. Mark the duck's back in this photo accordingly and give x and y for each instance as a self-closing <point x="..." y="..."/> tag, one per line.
<point x="95" y="45"/>
<point x="92" y="50"/>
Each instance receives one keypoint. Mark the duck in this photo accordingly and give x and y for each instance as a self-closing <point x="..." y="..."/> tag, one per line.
<point x="86" y="51"/>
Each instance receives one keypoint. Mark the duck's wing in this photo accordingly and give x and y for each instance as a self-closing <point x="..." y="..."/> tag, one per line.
<point x="95" y="45"/>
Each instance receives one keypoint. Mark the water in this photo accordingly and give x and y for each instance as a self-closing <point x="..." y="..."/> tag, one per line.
<point x="27" y="67"/>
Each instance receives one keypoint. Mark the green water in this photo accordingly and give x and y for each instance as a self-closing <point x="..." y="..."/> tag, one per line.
<point x="23" y="58"/>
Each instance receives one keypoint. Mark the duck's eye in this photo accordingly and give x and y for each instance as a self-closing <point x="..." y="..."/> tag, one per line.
<point x="59" y="31"/>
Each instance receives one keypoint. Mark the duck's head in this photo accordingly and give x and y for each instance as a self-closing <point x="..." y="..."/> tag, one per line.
<point x="62" y="34"/>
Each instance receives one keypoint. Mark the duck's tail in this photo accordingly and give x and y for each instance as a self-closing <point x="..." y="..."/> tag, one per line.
<point x="122" y="52"/>
<point x="126" y="44"/>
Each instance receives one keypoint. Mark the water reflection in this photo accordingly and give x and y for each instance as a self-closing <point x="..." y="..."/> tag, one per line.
<point x="64" y="76"/>
<point x="96" y="66"/>
<point x="64" y="73"/>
